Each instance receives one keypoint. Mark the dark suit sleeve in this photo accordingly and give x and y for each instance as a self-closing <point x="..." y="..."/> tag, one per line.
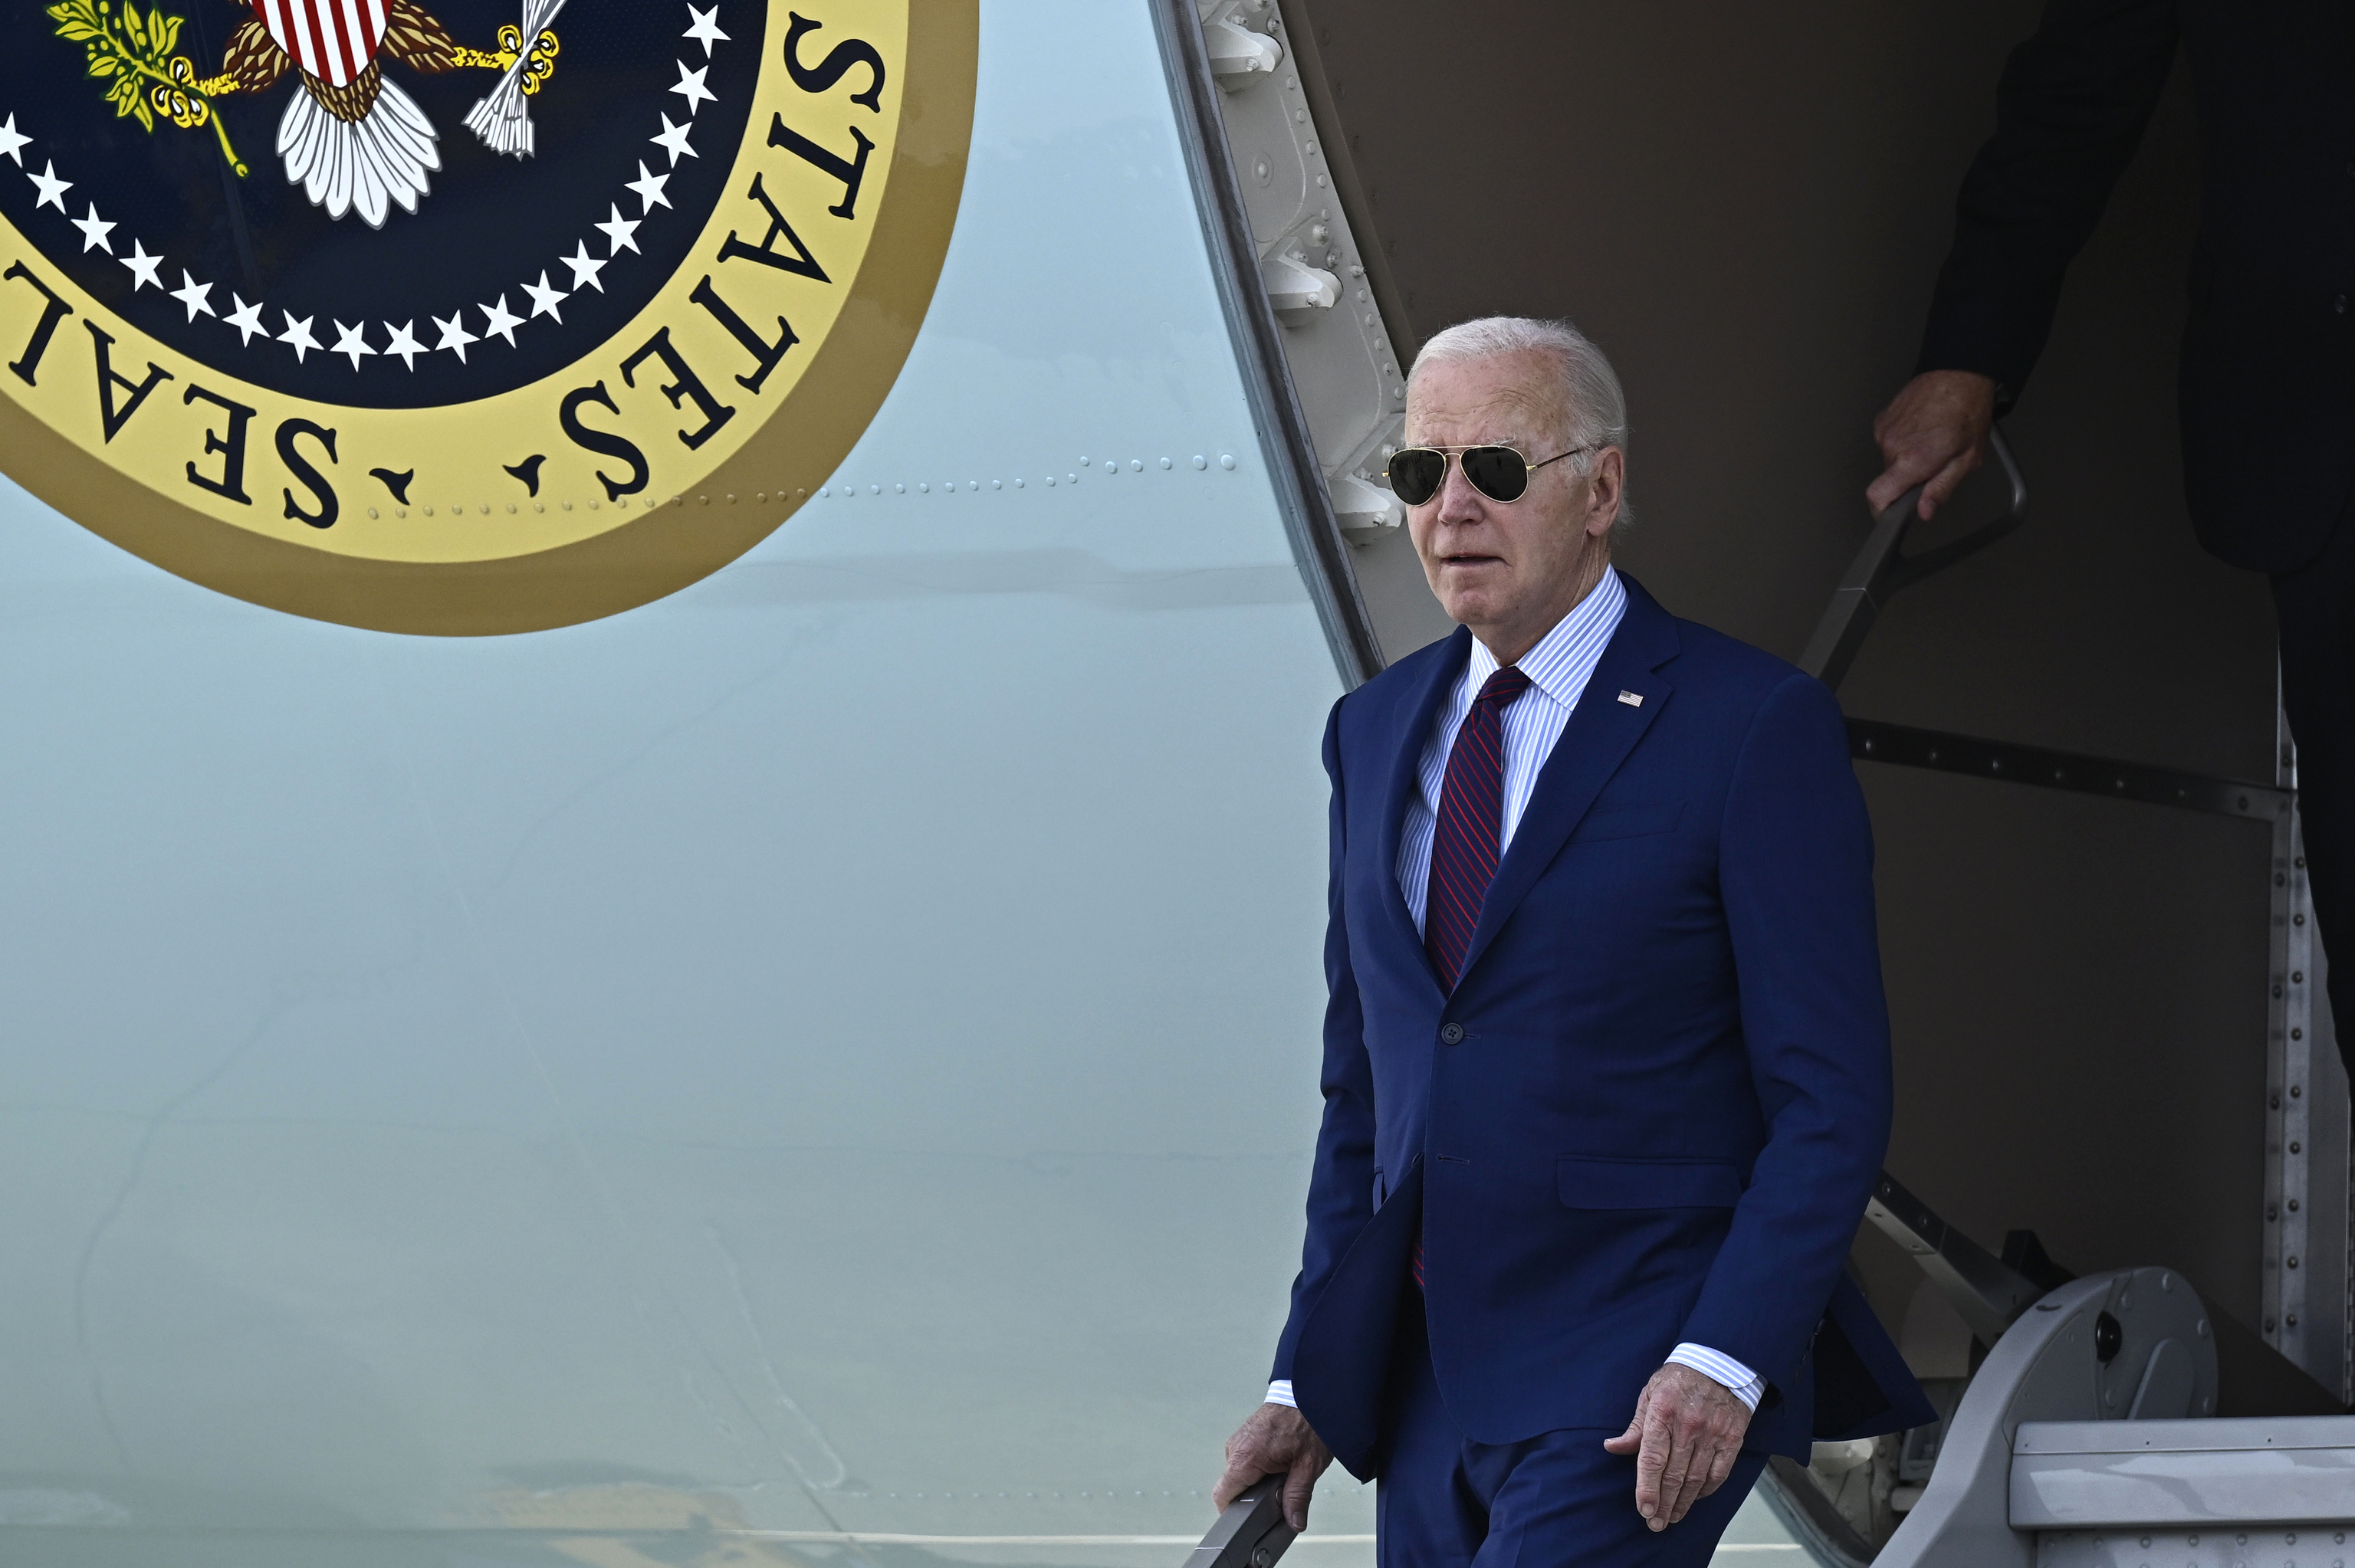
<point x="2072" y="107"/>
<point x="1795" y="869"/>
<point x="1342" y="1183"/>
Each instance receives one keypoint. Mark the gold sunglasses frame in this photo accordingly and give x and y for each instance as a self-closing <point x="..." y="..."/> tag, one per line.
<point x="1453" y="455"/>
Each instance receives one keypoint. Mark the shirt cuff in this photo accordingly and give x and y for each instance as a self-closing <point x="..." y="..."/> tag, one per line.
<point x="1716" y="1366"/>
<point x="1279" y="1392"/>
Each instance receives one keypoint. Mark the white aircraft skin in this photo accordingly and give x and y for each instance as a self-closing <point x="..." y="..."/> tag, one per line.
<point x="828" y="1053"/>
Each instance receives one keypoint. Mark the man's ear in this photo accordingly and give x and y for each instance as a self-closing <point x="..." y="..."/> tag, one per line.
<point x="1605" y="483"/>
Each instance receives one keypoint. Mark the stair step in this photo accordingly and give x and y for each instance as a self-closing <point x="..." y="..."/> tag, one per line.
<point x="2272" y="1474"/>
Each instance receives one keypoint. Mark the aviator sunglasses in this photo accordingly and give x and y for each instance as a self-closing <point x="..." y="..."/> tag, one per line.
<point x="1498" y="473"/>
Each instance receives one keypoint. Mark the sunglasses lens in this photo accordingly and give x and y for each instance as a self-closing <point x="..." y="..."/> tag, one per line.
<point x="1416" y="474"/>
<point x="1501" y="473"/>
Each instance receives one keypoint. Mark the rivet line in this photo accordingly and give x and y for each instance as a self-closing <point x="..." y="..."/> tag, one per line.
<point x="485" y="508"/>
<point x="1108" y="468"/>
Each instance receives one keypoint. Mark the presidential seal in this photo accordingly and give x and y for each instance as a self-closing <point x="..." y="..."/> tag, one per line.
<point x="463" y="317"/>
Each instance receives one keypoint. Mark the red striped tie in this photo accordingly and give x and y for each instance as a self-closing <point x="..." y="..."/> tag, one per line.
<point x="1465" y="842"/>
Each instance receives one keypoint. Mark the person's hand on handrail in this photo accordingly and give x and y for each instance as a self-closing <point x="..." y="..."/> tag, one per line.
<point x="1275" y="1440"/>
<point x="1933" y="433"/>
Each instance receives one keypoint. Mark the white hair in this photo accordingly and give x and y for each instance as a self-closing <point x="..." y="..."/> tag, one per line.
<point x="1593" y="408"/>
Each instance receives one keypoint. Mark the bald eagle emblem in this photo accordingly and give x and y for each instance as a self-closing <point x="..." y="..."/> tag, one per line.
<point x="349" y="136"/>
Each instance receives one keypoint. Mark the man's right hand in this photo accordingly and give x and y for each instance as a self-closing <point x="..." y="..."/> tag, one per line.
<point x="1932" y="433"/>
<point x="1276" y="1440"/>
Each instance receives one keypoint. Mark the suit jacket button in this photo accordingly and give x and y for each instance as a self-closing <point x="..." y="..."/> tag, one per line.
<point x="1452" y="1034"/>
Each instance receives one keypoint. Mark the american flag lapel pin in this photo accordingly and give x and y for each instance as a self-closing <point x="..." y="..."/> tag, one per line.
<point x="1632" y="699"/>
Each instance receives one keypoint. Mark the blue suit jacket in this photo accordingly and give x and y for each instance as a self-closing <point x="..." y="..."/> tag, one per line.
<point x="1654" y="1105"/>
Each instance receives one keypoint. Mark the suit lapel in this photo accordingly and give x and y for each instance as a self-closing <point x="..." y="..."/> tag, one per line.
<point x="1418" y="707"/>
<point x="1602" y="731"/>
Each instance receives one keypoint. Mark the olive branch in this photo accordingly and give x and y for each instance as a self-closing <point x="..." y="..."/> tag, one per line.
<point x="134" y="55"/>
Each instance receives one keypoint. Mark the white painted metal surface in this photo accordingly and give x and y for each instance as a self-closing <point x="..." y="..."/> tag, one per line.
<point x="2075" y="1475"/>
<point x="1342" y="355"/>
<point x="2255" y="1546"/>
<point x="816" y="1068"/>
<point x="2133" y="1344"/>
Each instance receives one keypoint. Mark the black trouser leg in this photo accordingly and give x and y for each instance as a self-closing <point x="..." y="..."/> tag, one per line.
<point x="2316" y="606"/>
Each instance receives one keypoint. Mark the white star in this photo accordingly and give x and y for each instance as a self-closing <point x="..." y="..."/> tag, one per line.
<point x="192" y="293"/>
<point x="543" y="298"/>
<point x="690" y="82"/>
<point x="246" y="318"/>
<point x="454" y="335"/>
<point x="352" y="341"/>
<point x="297" y="335"/>
<point x="673" y="140"/>
<point x="404" y="342"/>
<point x="704" y="30"/>
<point x="12" y="141"/>
<point x="501" y="323"/>
<point x="95" y="229"/>
<point x="649" y="188"/>
<point x="618" y="231"/>
<point x="142" y="267"/>
<point x="53" y="189"/>
<point x="584" y="270"/>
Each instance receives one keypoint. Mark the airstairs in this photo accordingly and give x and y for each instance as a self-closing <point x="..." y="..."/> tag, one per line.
<point x="2089" y="1434"/>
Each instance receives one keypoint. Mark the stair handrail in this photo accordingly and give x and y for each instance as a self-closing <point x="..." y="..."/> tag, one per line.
<point x="1882" y="568"/>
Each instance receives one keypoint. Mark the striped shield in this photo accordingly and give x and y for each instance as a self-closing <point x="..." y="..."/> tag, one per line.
<point x="332" y="39"/>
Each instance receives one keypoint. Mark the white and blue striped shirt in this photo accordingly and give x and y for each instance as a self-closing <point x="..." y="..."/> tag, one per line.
<point x="1559" y="668"/>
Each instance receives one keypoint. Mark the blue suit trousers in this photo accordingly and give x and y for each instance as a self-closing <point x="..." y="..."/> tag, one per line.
<point x="1549" y="1501"/>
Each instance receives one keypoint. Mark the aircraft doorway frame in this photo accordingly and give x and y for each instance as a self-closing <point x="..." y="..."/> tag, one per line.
<point x="2308" y="1214"/>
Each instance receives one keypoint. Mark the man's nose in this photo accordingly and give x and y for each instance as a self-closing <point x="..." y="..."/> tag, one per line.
<point x="1460" y="506"/>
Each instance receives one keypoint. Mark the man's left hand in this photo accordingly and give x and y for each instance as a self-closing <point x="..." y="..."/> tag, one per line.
<point x="1686" y="1436"/>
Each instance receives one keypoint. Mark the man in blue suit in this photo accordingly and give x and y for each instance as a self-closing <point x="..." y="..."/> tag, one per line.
<point x="1606" y="1061"/>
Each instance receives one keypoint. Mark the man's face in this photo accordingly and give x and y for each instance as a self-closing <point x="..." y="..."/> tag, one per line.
<point x="1508" y="570"/>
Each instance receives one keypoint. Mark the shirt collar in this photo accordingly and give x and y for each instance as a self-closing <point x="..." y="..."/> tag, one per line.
<point x="1564" y="657"/>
